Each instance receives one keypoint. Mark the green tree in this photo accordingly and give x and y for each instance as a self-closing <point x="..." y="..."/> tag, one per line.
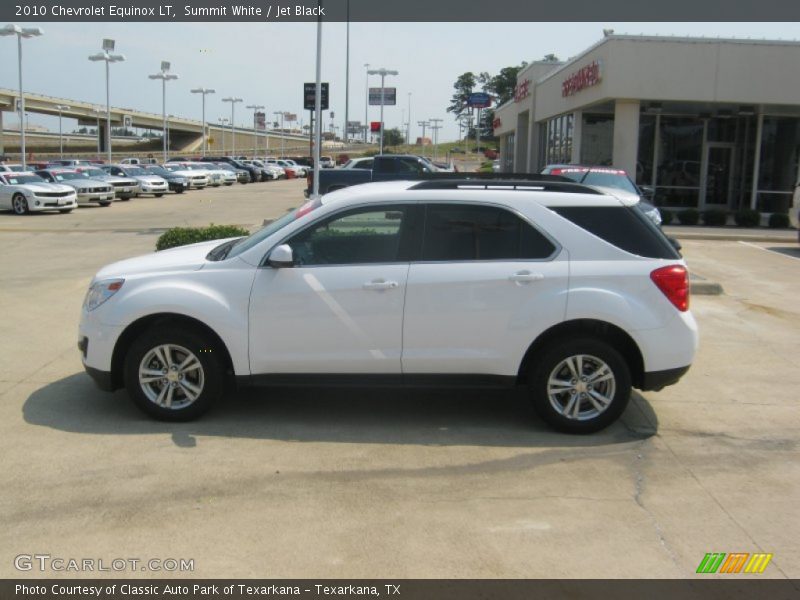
<point x="393" y="137"/>
<point x="464" y="86"/>
<point x="502" y="85"/>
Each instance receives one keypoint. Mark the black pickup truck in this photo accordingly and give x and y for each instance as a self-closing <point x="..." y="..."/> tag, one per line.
<point x="386" y="167"/>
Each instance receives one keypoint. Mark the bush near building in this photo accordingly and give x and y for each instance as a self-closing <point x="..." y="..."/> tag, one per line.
<point x="778" y="221"/>
<point x="747" y="217"/>
<point x="715" y="217"/>
<point x="181" y="236"/>
<point x="690" y="216"/>
<point x="667" y="216"/>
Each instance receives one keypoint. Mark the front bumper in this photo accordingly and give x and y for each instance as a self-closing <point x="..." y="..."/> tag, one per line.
<point x="37" y="203"/>
<point x="657" y="380"/>
<point x="102" y="379"/>
<point x="153" y="188"/>
<point x="85" y="197"/>
<point x="178" y="186"/>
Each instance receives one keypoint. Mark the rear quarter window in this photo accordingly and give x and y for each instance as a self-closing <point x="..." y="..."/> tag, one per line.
<point x="621" y="226"/>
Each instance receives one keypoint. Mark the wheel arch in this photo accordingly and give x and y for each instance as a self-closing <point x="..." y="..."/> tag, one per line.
<point x="136" y="328"/>
<point x="601" y="330"/>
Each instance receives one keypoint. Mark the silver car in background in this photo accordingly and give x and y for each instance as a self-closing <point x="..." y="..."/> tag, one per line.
<point x="89" y="190"/>
<point x="148" y="183"/>
<point x="125" y="188"/>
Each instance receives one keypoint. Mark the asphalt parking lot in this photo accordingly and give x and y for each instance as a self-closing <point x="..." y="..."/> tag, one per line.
<point x="360" y="483"/>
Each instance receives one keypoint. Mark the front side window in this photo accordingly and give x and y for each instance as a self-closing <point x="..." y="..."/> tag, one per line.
<point x="365" y="235"/>
<point x="466" y="233"/>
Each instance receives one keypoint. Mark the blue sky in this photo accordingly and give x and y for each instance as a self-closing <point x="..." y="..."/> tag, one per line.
<point x="267" y="63"/>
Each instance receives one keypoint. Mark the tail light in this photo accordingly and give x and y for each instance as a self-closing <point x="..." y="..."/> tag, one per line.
<point x="673" y="281"/>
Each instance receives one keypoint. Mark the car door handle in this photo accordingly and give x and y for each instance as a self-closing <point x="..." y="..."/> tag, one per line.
<point x="525" y="277"/>
<point x="380" y="284"/>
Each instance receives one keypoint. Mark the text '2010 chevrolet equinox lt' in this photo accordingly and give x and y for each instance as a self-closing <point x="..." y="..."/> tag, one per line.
<point x="550" y="285"/>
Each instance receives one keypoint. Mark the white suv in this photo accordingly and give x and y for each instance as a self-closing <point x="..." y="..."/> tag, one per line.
<point x="544" y="284"/>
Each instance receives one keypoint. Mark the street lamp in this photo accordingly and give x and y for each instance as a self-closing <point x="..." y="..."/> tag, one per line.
<point x="423" y="124"/>
<point x="21" y="32"/>
<point x="255" y="108"/>
<point x="435" y="127"/>
<point x="383" y="73"/>
<point x="60" y="108"/>
<point x="408" y="123"/>
<point x="222" y="122"/>
<point x="97" y="113"/>
<point x="366" y="102"/>
<point x="107" y="56"/>
<point x="164" y="76"/>
<point x="281" y="113"/>
<point x="204" y="91"/>
<point x="233" y="102"/>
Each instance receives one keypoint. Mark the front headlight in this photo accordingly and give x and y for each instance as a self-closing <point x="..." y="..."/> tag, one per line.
<point x="100" y="291"/>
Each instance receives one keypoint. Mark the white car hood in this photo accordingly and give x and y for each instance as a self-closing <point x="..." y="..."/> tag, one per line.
<point x="182" y="258"/>
<point x="46" y="187"/>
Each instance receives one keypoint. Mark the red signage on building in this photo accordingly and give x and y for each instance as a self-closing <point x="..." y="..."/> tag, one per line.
<point x="522" y="90"/>
<point x="497" y="123"/>
<point x="582" y="78"/>
<point x="375" y="126"/>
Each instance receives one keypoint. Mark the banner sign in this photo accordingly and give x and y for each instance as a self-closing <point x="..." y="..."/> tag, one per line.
<point x="389" y="96"/>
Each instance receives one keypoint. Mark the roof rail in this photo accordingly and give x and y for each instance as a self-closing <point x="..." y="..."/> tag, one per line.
<point x="503" y="181"/>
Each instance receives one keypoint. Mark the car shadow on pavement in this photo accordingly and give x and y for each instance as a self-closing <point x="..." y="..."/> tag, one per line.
<point x="792" y="251"/>
<point x="405" y="416"/>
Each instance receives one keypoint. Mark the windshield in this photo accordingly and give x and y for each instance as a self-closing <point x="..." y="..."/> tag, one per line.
<point x="67" y="176"/>
<point x="617" y="181"/>
<point x="225" y="166"/>
<point x="94" y="173"/>
<point x="19" y="179"/>
<point x="276" y="225"/>
<point x="158" y="170"/>
<point x="135" y="171"/>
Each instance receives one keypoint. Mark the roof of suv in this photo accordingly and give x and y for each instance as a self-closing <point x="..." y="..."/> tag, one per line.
<point x="477" y="191"/>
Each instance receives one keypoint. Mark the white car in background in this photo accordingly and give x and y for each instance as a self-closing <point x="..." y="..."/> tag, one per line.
<point x="25" y="192"/>
<point x="11" y="168"/>
<point x="125" y="188"/>
<point x="300" y="170"/>
<point x="364" y="163"/>
<point x="148" y="183"/>
<point x="216" y="175"/>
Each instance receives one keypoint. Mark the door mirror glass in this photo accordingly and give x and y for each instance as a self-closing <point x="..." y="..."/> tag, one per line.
<point x="281" y="257"/>
<point x="647" y="191"/>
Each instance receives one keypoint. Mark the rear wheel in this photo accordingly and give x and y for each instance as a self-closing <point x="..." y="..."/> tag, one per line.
<point x="158" y="195"/>
<point x="65" y="211"/>
<point x="174" y="374"/>
<point x="105" y="204"/>
<point x="580" y="386"/>
<point x="20" y="204"/>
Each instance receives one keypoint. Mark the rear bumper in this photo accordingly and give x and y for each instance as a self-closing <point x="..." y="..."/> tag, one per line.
<point x="656" y="380"/>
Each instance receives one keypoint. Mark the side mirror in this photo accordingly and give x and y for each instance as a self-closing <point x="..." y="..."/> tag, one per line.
<point x="281" y="257"/>
<point x="647" y="191"/>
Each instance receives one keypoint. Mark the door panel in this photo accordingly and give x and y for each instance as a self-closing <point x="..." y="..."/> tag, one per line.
<point x="337" y="319"/>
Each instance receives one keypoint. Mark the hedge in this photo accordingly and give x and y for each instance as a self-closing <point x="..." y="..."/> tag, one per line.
<point x="667" y="216"/>
<point x="778" y="221"/>
<point x="181" y="236"/>
<point x="747" y="217"/>
<point x="690" y="216"/>
<point x="715" y="217"/>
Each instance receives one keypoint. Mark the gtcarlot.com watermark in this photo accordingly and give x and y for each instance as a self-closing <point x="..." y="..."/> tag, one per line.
<point x="47" y="563"/>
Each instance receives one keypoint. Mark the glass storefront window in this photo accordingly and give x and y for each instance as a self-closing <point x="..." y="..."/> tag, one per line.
<point x="647" y="140"/>
<point x="777" y="174"/>
<point x="679" y="161"/>
<point x="559" y="140"/>
<point x="597" y="141"/>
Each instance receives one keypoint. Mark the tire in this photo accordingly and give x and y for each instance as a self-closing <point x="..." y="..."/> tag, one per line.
<point x="206" y="380"/>
<point x="158" y="195"/>
<point x="65" y="211"/>
<point x="20" y="205"/>
<point x="180" y="191"/>
<point x="105" y="204"/>
<point x="125" y="198"/>
<point x="589" y="357"/>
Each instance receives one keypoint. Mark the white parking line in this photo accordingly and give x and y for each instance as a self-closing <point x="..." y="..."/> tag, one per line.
<point x="769" y="250"/>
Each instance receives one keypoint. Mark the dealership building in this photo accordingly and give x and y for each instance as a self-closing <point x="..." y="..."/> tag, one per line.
<point x="707" y="122"/>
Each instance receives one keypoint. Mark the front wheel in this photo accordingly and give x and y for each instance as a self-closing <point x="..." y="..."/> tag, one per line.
<point x="580" y="386"/>
<point x="65" y="211"/>
<point x="158" y="195"/>
<point x="20" y="205"/>
<point x="173" y="374"/>
<point x="105" y="204"/>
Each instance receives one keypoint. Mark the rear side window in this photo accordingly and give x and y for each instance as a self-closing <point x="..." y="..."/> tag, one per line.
<point x="626" y="228"/>
<point x="459" y="233"/>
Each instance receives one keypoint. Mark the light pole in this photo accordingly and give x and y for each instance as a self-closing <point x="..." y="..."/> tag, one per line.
<point x="281" y="114"/>
<point x="435" y="127"/>
<point x="97" y="113"/>
<point x="61" y="107"/>
<point x="383" y="73"/>
<point x="222" y="122"/>
<point x="366" y="103"/>
<point x="105" y="55"/>
<point x="255" y="108"/>
<point x="233" y="102"/>
<point x="204" y="91"/>
<point x="21" y="32"/>
<point x="164" y="76"/>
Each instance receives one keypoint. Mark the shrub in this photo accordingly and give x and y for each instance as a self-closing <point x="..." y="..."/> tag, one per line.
<point x="747" y="217"/>
<point x="715" y="217"/>
<point x="778" y="221"/>
<point x="181" y="236"/>
<point x="667" y="216"/>
<point x="690" y="216"/>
